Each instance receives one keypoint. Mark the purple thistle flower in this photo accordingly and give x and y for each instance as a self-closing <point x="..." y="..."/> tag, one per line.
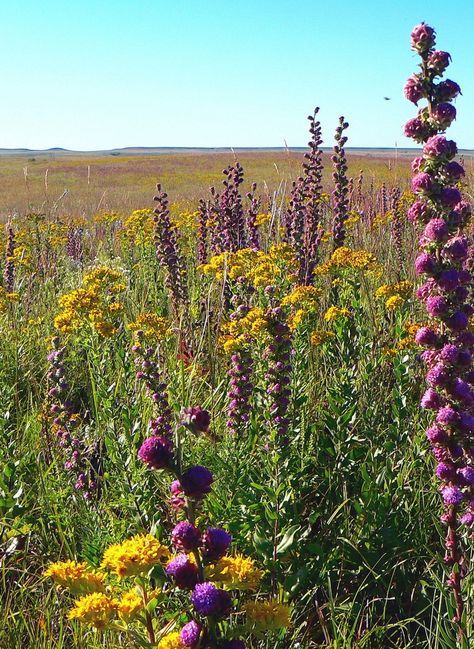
<point x="186" y="536"/>
<point x="209" y="600"/>
<point x="190" y="633"/>
<point x="422" y="38"/>
<point x="215" y="543"/>
<point x="183" y="571"/>
<point x="196" y="482"/>
<point x="156" y="452"/>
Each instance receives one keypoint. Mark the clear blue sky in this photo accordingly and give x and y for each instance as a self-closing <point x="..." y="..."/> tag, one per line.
<point x="89" y="74"/>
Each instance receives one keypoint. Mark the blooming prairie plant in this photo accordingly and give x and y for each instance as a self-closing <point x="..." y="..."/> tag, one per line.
<point x="444" y="247"/>
<point x="141" y="583"/>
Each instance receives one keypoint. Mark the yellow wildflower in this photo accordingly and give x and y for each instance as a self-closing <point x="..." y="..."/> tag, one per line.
<point x="237" y="572"/>
<point x="302" y="296"/>
<point x="154" y="327"/>
<point x="268" y="615"/>
<point x="394" y="302"/>
<point x="335" y="312"/>
<point x="264" y="217"/>
<point x="130" y="604"/>
<point x="171" y="641"/>
<point x="78" y="577"/>
<point x="138" y="226"/>
<point x="96" y="609"/>
<point x="318" y="337"/>
<point x="134" y="556"/>
<point x="347" y="259"/>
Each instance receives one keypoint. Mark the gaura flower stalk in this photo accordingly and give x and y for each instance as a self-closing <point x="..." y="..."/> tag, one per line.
<point x="443" y="251"/>
<point x="167" y="250"/>
<point x="340" y="193"/>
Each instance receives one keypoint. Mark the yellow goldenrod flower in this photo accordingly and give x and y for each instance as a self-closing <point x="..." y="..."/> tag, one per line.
<point x="261" y="219"/>
<point x="318" y="337"/>
<point x="335" y="312"/>
<point x="134" y="556"/>
<point x="130" y="604"/>
<point x="237" y="572"/>
<point x="171" y="641"/>
<point x="78" y="577"/>
<point x="268" y="615"/>
<point x="154" y="327"/>
<point x="96" y="609"/>
<point x="394" y="302"/>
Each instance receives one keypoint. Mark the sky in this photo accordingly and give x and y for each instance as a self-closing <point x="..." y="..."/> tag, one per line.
<point x="100" y="74"/>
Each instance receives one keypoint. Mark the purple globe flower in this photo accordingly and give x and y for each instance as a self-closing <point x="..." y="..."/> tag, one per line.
<point x="438" y="146"/>
<point x="450" y="196"/>
<point x="419" y="212"/>
<point x="183" y="571"/>
<point x="416" y="129"/>
<point x="209" y="600"/>
<point x="422" y="38"/>
<point x="452" y="495"/>
<point x="458" y="321"/>
<point x="196" y="419"/>
<point x="156" y="452"/>
<point x="454" y="170"/>
<point x="447" y="90"/>
<point x="437" y="306"/>
<point x="443" y="115"/>
<point x="456" y="248"/>
<point x="426" y="336"/>
<point x="425" y="264"/>
<point x="436" y="230"/>
<point x="448" y="280"/>
<point x="450" y="354"/>
<point x="190" y="633"/>
<point x="186" y="536"/>
<point x="447" y="416"/>
<point x="417" y="164"/>
<point x="431" y="400"/>
<point x="467" y="475"/>
<point x="446" y="471"/>
<point x="438" y="376"/>
<point x="465" y="277"/>
<point x="177" y="498"/>
<point x="215" y="543"/>
<point x="436" y="435"/>
<point x="413" y="89"/>
<point x="438" y="61"/>
<point x="196" y="482"/>
<point x="422" y="182"/>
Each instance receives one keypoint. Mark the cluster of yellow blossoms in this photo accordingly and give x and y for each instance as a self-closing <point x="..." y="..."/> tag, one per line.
<point x="241" y="331"/>
<point x="237" y="572"/>
<point x="135" y="555"/>
<point x="155" y="327"/>
<point x="347" y="259"/>
<point x="336" y="313"/>
<point x="406" y="342"/>
<point x="319" y="336"/>
<point x="255" y="266"/>
<point x="94" y="303"/>
<point x="303" y="301"/>
<point x="6" y="299"/>
<point x="267" y="615"/>
<point x="395" y="294"/>
<point x="138" y="227"/>
<point x="106" y="218"/>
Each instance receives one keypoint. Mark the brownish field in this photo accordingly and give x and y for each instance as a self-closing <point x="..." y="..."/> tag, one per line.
<point x="79" y="184"/>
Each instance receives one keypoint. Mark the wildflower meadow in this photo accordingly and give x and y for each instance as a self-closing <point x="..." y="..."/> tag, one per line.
<point x="241" y="415"/>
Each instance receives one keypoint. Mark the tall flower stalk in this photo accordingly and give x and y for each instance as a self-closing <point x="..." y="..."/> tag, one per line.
<point x="341" y="186"/>
<point x="442" y="258"/>
<point x="9" y="271"/>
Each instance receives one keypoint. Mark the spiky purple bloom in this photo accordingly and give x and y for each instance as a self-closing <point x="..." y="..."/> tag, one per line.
<point x="438" y="146"/>
<point x="436" y="230"/>
<point x="452" y="495"/>
<point x="209" y="600"/>
<point x="196" y="482"/>
<point x="156" y="452"/>
<point x="190" y="633"/>
<point x="183" y="571"/>
<point x="215" y="543"/>
<point x="422" y="38"/>
<point x="447" y="90"/>
<point x="196" y="419"/>
<point x="341" y="182"/>
<point x="186" y="536"/>
<point x="442" y="115"/>
<point x="9" y="270"/>
<point x="413" y="89"/>
<point x="422" y="182"/>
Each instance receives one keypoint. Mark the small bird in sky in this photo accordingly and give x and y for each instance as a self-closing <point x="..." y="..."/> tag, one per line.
<point x="387" y="98"/>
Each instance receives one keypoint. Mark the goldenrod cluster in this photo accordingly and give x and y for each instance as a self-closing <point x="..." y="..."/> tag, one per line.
<point x="106" y="218"/>
<point x="185" y="221"/>
<point x="236" y="572"/>
<point x="134" y="556"/>
<point x="241" y="331"/>
<point x="347" y="259"/>
<point x="138" y="227"/>
<point x="394" y="302"/>
<point x="93" y="303"/>
<point x="171" y="641"/>
<point x="78" y="577"/>
<point x="153" y="326"/>
<point x="130" y="604"/>
<point x="6" y="299"/>
<point x="262" y="218"/>
<point x="96" y="609"/>
<point x="395" y="294"/>
<point x="268" y="615"/>
<point x="336" y="313"/>
<point x="318" y="337"/>
<point x="406" y="342"/>
<point x="304" y="301"/>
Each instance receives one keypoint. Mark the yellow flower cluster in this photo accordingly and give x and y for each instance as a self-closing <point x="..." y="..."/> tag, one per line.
<point x="394" y="302"/>
<point x="237" y="333"/>
<point x="268" y="615"/>
<point x="185" y="221"/>
<point x="257" y="267"/>
<point x="78" y="577"/>
<point x="335" y="313"/>
<point x="236" y="572"/>
<point x="130" y="604"/>
<point x="6" y="299"/>
<point x="305" y="300"/>
<point x="138" y="227"/>
<point x="404" y="289"/>
<point x="153" y="326"/>
<point x="96" y="609"/>
<point x="319" y="336"/>
<point x="106" y="218"/>
<point x="261" y="219"/>
<point x="171" y="641"/>
<point x="347" y="259"/>
<point x="382" y="219"/>
<point x="134" y="556"/>
<point x="94" y="303"/>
